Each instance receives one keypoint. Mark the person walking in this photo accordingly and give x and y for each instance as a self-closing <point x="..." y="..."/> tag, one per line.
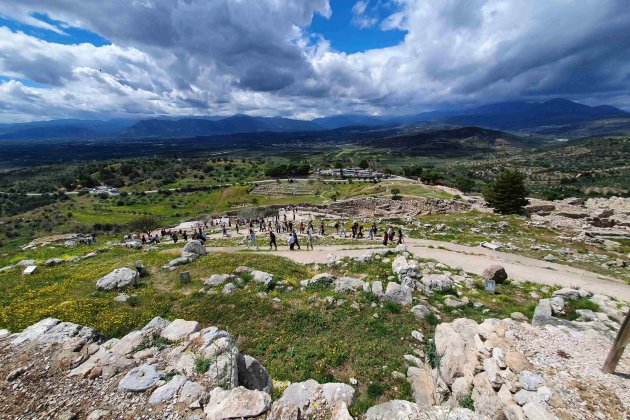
<point x="400" y="236"/>
<point x="322" y="229"/>
<point x="297" y="243"/>
<point x="309" y="240"/>
<point x="342" y="231"/>
<point x="291" y="242"/>
<point x="385" y="238"/>
<point x="252" y="239"/>
<point x="390" y="233"/>
<point x="272" y="240"/>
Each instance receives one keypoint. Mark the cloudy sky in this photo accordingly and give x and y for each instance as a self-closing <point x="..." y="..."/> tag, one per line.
<point x="307" y="58"/>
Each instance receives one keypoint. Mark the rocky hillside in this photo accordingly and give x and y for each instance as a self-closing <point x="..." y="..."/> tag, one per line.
<point x="501" y="369"/>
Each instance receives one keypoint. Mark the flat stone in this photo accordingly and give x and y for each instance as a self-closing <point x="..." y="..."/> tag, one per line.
<point x="537" y="411"/>
<point x="167" y="391"/>
<point x="237" y="403"/>
<point x="139" y="379"/>
<point x="120" y="278"/>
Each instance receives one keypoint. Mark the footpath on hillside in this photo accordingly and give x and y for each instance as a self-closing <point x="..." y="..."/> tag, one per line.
<point x="474" y="260"/>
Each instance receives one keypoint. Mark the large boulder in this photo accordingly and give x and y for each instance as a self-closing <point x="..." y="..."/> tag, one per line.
<point x="53" y="331"/>
<point x="348" y="284"/>
<point x="139" y="379"/>
<point x="496" y="273"/>
<point x="119" y="279"/>
<point x="398" y="294"/>
<point x="236" y="403"/>
<point x="261" y="277"/>
<point x="567" y="294"/>
<point x="320" y="279"/>
<point x="420" y="311"/>
<point x="218" y="279"/>
<point x="194" y="249"/>
<point x="252" y="375"/>
<point x="487" y="402"/>
<point x="219" y="347"/>
<point x="455" y="343"/>
<point x="436" y="283"/>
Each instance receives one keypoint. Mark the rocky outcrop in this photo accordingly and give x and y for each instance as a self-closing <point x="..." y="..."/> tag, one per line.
<point x="310" y="398"/>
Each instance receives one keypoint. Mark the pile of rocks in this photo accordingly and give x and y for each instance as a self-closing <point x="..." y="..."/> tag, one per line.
<point x="388" y="208"/>
<point x="173" y="368"/>
<point x="477" y="364"/>
<point x="599" y="215"/>
<point x="606" y="320"/>
<point x="68" y="240"/>
<point x="230" y="281"/>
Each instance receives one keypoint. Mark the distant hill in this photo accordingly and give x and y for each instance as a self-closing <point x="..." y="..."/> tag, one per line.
<point x="557" y="117"/>
<point x="523" y="115"/>
<point x="193" y="127"/>
<point x="452" y="141"/>
<point x="64" y="129"/>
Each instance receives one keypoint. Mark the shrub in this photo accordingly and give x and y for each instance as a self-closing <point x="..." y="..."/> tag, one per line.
<point x="202" y="364"/>
<point x="375" y="389"/>
<point x="431" y="353"/>
<point x="392" y="307"/>
<point x="466" y="401"/>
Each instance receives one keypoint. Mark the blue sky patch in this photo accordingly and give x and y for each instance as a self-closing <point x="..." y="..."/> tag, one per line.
<point x="352" y="32"/>
<point x="71" y="35"/>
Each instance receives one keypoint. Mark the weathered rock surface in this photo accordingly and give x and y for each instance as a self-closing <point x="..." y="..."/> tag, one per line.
<point x="348" y="284"/>
<point x="179" y="330"/>
<point x="139" y="379"/>
<point x="119" y="279"/>
<point x="398" y="293"/>
<point x="236" y="403"/>
<point x="194" y="249"/>
<point x="309" y="398"/>
<point x="252" y="375"/>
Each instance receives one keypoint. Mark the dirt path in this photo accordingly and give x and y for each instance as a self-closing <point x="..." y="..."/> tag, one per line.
<point x="475" y="260"/>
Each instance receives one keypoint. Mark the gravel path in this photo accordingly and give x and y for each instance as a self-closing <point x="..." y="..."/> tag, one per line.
<point x="571" y="362"/>
<point x="475" y="260"/>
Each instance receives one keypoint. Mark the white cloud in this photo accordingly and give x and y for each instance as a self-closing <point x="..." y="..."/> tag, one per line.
<point x="360" y="18"/>
<point x="226" y="56"/>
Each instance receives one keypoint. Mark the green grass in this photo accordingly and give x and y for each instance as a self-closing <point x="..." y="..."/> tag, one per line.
<point x="297" y="339"/>
<point x="582" y="303"/>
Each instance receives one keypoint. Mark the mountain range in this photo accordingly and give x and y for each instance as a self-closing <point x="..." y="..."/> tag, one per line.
<point x="509" y="116"/>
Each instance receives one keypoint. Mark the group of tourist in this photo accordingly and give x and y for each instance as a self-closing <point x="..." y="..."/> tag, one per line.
<point x="285" y="224"/>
